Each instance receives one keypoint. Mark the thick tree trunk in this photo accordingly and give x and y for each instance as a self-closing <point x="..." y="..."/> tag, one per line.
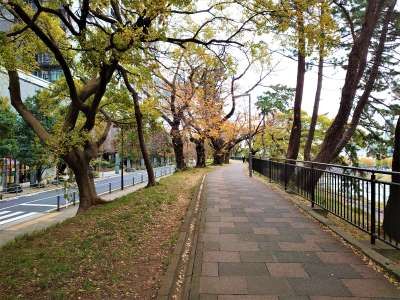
<point x="39" y="173"/>
<point x="314" y="118"/>
<point x="218" y="157"/>
<point x="200" y="153"/>
<point x="78" y="161"/>
<point x="177" y="143"/>
<point x="340" y="132"/>
<point x="355" y="70"/>
<point x="295" y="133"/>
<point x="391" y="222"/>
<point x="227" y="157"/>
<point x="369" y="85"/>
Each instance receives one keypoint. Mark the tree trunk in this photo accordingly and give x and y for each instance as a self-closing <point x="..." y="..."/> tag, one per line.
<point x="4" y="171"/>
<point x="340" y="132"/>
<point x="200" y="153"/>
<point x="218" y="157"/>
<point x="78" y="161"/>
<point x="139" y="125"/>
<point x="391" y="222"/>
<point x="355" y="70"/>
<point x="263" y="136"/>
<point x="227" y="157"/>
<point x="369" y="85"/>
<point x="16" y="174"/>
<point x="177" y="143"/>
<point x="314" y="118"/>
<point x="39" y="173"/>
<point x="295" y="133"/>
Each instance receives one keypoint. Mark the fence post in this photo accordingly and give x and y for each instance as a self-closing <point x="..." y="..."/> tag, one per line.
<point x="58" y="203"/>
<point x="270" y="171"/>
<point x="373" y="208"/>
<point x="74" y="198"/>
<point x="286" y="175"/>
<point x="109" y="187"/>
<point x="311" y="186"/>
<point x="133" y="180"/>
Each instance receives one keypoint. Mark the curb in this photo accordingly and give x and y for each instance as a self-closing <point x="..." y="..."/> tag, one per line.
<point x="173" y="283"/>
<point x="387" y="264"/>
<point x="51" y="190"/>
<point x="61" y="188"/>
<point x="108" y="193"/>
<point x="64" y="208"/>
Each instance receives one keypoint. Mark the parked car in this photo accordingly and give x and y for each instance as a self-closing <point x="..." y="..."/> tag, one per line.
<point x="14" y="188"/>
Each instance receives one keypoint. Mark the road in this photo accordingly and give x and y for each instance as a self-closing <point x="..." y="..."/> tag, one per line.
<point x="27" y="207"/>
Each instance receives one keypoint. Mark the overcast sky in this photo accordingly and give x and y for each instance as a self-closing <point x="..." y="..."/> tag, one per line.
<point x="285" y="73"/>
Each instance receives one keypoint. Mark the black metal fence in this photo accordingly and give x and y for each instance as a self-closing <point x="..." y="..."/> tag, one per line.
<point x="356" y="195"/>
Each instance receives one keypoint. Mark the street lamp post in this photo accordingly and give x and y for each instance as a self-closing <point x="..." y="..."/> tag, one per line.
<point x="250" y="137"/>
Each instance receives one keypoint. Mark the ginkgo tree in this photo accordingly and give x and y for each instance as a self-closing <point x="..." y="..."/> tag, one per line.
<point x="189" y="84"/>
<point x="89" y="40"/>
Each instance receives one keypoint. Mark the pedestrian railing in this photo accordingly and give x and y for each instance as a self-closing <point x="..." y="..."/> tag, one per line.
<point x="360" y="196"/>
<point x="71" y="196"/>
<point x="236" y="157"/>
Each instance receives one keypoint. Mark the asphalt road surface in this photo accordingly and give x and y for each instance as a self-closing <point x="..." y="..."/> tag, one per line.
<point x="27" y="207"/>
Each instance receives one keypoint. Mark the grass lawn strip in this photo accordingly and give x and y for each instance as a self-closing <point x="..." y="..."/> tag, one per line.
<point x="114" y="251"/>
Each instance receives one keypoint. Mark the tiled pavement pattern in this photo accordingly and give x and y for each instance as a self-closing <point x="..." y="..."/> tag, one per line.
<point x="255" y="245"/>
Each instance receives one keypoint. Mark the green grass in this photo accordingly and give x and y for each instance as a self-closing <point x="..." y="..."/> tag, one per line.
<point x="92" y="255"/>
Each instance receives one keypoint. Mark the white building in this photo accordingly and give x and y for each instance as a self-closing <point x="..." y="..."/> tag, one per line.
<point x="30" y="84"/>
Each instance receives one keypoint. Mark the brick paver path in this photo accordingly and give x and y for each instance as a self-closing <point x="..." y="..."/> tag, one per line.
<point x="254" y="244"/>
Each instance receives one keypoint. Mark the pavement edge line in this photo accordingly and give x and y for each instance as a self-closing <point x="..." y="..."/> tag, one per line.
<point x="175" y="278"/>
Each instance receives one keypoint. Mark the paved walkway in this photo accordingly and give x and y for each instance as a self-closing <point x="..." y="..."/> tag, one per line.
<point x="254" y="244"/>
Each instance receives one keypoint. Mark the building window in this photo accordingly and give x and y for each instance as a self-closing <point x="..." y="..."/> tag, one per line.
<point x="45" y="75"/>
<point x="55" y="75"/>
<point x="43" y="58"/>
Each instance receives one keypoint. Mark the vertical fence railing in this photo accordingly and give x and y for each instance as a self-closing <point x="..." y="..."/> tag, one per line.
<point x="355" y="195"/>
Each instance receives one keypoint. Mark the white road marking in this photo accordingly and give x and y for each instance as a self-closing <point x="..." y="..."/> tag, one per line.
<point x="55" y="197"/>
<point x="10" y="215"/>
<point x="61" y="195"/>
<point x="38" y="204"/>
<point x="4" y="212"/>
<point x="17" y="218"/>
